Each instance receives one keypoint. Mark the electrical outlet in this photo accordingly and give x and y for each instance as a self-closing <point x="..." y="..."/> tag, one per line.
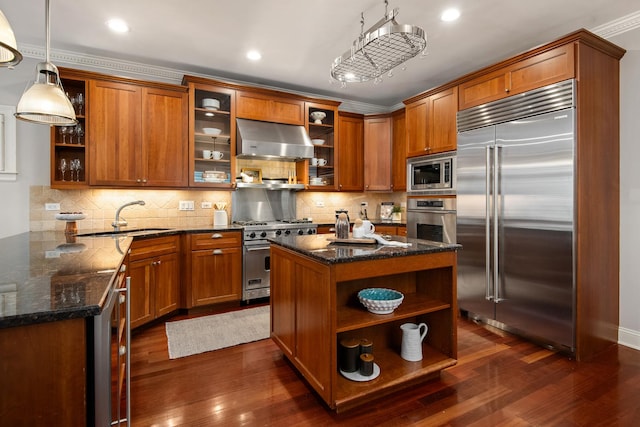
<point x="364" y="204"/>
<point x="52" y="206"/>
<point x="319" y="203"/>
<point x="205" y="205"/>
<point x="186" y="205"/>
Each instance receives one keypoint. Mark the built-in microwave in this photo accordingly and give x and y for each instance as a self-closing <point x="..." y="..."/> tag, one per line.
<point x="432" y="174"/>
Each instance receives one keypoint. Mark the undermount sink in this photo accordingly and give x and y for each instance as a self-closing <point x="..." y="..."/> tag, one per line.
<point x="131" y="232"/>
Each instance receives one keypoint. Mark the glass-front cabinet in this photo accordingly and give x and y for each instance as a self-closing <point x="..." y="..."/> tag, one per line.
<point x="212" y="134"/>
<point x="321" y="120"/>
<point x="68" y="150"/>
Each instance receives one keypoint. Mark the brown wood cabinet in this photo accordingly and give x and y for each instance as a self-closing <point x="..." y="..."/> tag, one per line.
<point x="44" y="374"/>
<point x="377" y="153"/>
<point x="137" y="134"/>
<point x="326" y="130"/>
<point x="545" y="68"/>
<point x="269" y="107"/>
<point x="350" y="152"/>
<point x="223" y="118"/>
<point x="214" y="268"/>
<point x="398" y="151"/>
<point x="314" y="306"/>
<point x="154" y="268"/>
<point x="431" y="123"/>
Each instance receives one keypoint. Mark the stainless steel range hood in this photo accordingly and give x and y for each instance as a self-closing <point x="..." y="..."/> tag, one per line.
<point x="272" y="141"/>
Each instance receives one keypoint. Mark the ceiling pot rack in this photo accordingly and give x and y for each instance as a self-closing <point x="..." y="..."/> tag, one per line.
<point x="379" y="50"/>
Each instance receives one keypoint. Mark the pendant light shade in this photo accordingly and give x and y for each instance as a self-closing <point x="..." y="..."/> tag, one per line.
<point x="45" y="101"/>
<point x="9" y="55"/>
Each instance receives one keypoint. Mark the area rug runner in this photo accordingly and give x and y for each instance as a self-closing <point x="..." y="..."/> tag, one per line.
<point x="207" y="333"/>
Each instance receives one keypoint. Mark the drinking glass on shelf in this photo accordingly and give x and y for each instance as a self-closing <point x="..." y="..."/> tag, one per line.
<point x="63" y="132"/>
<point x="71" y="131"/>
<point x="79" y="132"/>
<point x="63" y="167"/>
<point x="75" y="163"/>
<point x="74" y="102"/>
<point x="80" y="103"/>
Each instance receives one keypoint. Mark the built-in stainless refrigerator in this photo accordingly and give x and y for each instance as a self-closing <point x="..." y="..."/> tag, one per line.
<point x="515" y="214"/>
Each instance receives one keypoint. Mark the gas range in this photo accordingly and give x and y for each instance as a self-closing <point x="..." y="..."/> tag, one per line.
<point x="256" y="231"/>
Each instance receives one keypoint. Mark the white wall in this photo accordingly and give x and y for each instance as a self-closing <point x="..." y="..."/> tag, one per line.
<point x="629" y="332"/>
<point x="33" y="169"/>
<point x="32" y="142"/>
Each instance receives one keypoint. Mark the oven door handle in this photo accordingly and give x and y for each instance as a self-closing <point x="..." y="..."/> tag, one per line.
<point x="257" y="248"/>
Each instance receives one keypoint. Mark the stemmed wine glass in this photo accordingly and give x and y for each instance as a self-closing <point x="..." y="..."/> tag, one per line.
<point x="75" y="165"/>
<point x="71" y="131"/>
<point x="80" y="103"/>
<point x="64" y="130"/>
<point x="79" y="132"/>
<point x="63" y="167"/>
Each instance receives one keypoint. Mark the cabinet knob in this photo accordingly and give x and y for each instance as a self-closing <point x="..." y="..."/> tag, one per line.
<point x="216" y="236"/>
<point x="144" y="180"/>
<point x="138" y="180"/>
<point x="506" y="90"/>
<point x="217" y="251"/>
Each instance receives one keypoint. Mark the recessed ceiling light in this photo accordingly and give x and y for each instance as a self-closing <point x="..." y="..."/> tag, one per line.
<point x="254" y="55"/>
<point x="118" y="25"/>
<point x="450" y="15"/>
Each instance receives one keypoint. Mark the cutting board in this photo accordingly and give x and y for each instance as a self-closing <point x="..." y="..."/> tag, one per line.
<point x="352" y="241"/>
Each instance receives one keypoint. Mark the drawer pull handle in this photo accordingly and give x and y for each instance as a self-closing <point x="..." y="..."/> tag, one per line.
<point x="217" y="251"/>
<point x="216" y="236"/>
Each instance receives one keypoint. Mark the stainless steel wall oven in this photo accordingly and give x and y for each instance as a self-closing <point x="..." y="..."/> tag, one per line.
<point x="432" y="219"/>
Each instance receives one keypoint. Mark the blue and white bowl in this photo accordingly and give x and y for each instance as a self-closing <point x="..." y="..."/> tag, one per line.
<point x="380" y="300"/>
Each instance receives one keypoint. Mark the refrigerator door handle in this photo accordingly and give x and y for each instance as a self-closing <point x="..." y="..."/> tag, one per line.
<point x="488" y="293"/>
<point x="496" y="212"/>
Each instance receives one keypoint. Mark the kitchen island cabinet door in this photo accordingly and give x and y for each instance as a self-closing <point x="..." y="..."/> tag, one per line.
<point x="167" y="282"/>
<point x="216" y="276"/>
<point x="164" y="138"/>
<point x="114" y="120"/>
<point x="350" y="152"/>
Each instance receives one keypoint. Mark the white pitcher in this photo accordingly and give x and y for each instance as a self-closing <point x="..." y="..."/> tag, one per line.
<point x="411" y="348"/>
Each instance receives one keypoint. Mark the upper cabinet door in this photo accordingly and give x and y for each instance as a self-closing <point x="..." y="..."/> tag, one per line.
<point x="377" y="154"/>
<point x="165" y="137"/>
<point x="114" y="122"/>
<point x="350" y="152"/>
<point x="443" y="107"/>
<point x="549" y="67"/>
<point x="416" y="128"/>
<point x="269" y="108"/>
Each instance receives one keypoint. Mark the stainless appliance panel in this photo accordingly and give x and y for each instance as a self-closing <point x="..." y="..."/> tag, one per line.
<point x="535" y="225"/>
<point x="474" y="214"/>
<point x="432" y="174"/>
<point x="257" y="269"/>
<point x="515" y="191"/>
<point x="432" y="219"/>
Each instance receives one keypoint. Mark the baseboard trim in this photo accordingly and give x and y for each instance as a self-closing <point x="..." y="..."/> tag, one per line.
<point x="629" y="338"/>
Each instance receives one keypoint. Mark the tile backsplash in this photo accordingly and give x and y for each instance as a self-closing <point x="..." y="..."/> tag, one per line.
<point x="161" y="206"/>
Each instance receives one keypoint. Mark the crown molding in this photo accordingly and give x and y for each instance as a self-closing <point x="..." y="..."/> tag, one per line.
<point x="618" y="26"/>
<point x="168" y="75"/>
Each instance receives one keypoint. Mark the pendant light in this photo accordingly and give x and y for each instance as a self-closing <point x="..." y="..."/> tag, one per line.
<point x="9" y="55"/>
<point x="45" y="101"/>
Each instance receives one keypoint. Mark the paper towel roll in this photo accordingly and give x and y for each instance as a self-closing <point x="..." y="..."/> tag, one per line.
<point x="220" y="218"/>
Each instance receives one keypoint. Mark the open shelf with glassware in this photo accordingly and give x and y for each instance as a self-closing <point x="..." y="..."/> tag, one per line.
<point x="320" y="122"/>
<point x="68" y="147"/>
<point x="211" y="135"/>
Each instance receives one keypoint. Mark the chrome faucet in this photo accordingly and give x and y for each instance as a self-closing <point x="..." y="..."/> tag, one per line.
<point x="123" y="222"/>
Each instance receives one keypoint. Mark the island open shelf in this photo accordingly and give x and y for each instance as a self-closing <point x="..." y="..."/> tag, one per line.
<point x="314" y="305"/>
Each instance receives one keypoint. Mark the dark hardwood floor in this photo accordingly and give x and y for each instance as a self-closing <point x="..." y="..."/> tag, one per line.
<point x="500" y="380"/>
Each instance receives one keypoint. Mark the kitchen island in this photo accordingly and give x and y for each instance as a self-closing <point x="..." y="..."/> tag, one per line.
<point x="52" y="286"/>
<point x="314" y="306"/>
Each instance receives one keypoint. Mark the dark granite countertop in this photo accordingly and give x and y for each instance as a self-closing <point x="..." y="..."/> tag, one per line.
<point x="318" y="247"/>
<point x="44" y="278"/>
<point x="375" y="221"/>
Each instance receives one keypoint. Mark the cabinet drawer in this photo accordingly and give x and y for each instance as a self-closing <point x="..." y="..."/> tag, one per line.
<point x="148" y="248"/>
<point x="216" y="239"/>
